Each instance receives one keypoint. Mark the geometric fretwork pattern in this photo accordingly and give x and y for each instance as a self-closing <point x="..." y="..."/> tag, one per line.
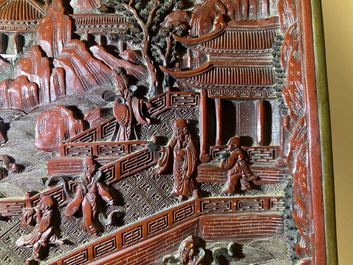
<point x="144" y="194"/>
<point x="215" y="190"/>
<point x="164" y="125"/>
<point x="9" y="252"/>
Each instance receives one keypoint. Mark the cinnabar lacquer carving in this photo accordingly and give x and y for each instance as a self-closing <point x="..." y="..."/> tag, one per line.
<point x="144" y="126"/>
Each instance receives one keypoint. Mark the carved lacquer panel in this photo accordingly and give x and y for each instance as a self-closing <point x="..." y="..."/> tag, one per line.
<point x="161" y="132"/>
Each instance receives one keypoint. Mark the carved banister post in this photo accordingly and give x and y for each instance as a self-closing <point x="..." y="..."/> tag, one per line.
<point x="218" y="104"/>
<point x="204" y="156"/>
<point x="260" y="122"/>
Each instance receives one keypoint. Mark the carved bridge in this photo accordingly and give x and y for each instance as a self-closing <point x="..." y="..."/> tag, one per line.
<point x="227" y="218"/>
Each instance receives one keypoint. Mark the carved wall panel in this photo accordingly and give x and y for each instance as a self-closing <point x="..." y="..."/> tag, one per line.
<point x="161" y="132"/>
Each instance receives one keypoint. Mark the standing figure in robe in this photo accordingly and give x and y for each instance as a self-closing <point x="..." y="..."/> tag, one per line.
<point x="182" y="153"/>
<point x="128" y="109"/>
<point x="45" y="232"/>
<point x="236" y="162"/>
<point x="87" y="197"/>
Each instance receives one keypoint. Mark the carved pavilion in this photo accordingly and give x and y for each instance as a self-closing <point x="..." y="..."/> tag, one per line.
<point x="234" y="67"/>
<point x="18" y="20"/>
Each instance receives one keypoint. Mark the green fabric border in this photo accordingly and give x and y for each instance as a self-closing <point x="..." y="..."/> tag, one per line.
<point x="325" y="132"/>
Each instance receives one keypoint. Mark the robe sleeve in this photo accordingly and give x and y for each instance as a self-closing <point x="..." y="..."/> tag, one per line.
<point x="191" y="157"/>
<point x="229" y="162"/>
<point x="166" y="160"/>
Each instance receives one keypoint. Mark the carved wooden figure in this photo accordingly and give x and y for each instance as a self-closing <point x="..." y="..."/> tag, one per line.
<point x="46" y="231"/>
<point x="160" y="122"/>
<point x="87" y="197"/>
<point x="181" y="153"/>
<point x="236" y="162"/>
<point x="128" y="109"/>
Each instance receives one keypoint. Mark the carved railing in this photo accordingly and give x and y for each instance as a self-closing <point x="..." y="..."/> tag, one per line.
<point x="105" y="130"/>
<point x="13" y="207"/>
<point x="215" y="174"/>
<point x="101" y="148"/>
<point x="170" y="100"/>
<point x="100" y="132"/>
<point x="175" y="217"/>
<point x="256" y="154"/>
<point x="114" y="167"/>
<point x="129" y="165"/>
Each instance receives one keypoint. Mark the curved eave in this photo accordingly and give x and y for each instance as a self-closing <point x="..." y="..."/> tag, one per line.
<point x="21" y="10"/>
<point x="189" y="73"/>
<point x="194" y="41"/>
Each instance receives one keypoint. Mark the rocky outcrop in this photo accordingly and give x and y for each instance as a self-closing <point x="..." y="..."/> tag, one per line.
<point x="55" y="126"/>
<point x="19" y="94"/>
<point x="213" y="13"/>
<point x="95" y="116"/>
<point x="82" y="71"/>
<point x="129" y="63"/>
<point x="54" y="30"/>
<point x="37" y="69"/>
<point x="57" y="65"/>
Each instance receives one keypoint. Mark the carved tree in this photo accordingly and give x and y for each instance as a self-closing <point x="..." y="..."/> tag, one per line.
<point x="148" y="17"/>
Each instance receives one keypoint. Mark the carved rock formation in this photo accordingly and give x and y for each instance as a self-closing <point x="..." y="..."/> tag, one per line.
<point x="82" y="71"/>
<point x="54" y="30"/>
<point x="20" y="94"/>
<point x="211" y="14"/>
<point x="37" y="69"/>
<point x="95" y="116"/>
<point x="56" y="125"/>
<point x="85" y="6"/>
<point x="128" y="63"/>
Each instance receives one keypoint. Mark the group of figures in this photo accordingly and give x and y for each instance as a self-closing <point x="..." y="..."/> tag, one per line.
<point x="143" y="61"/>
<point x="181" y="155"/>
<point x="85" y="202"/>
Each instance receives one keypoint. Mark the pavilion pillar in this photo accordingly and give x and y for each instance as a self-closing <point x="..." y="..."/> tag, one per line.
<point x="204" y="156"/>
<point x="281" y="160"/>
<point x="2" y="43"/>
<point x="218" y="104"/>
<point x="98" y="39"/>
<point x="260" y="122"/>
<point x="284" y="125"/>
<point x="265" y="8"/>
<point x="11" y="47"/>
